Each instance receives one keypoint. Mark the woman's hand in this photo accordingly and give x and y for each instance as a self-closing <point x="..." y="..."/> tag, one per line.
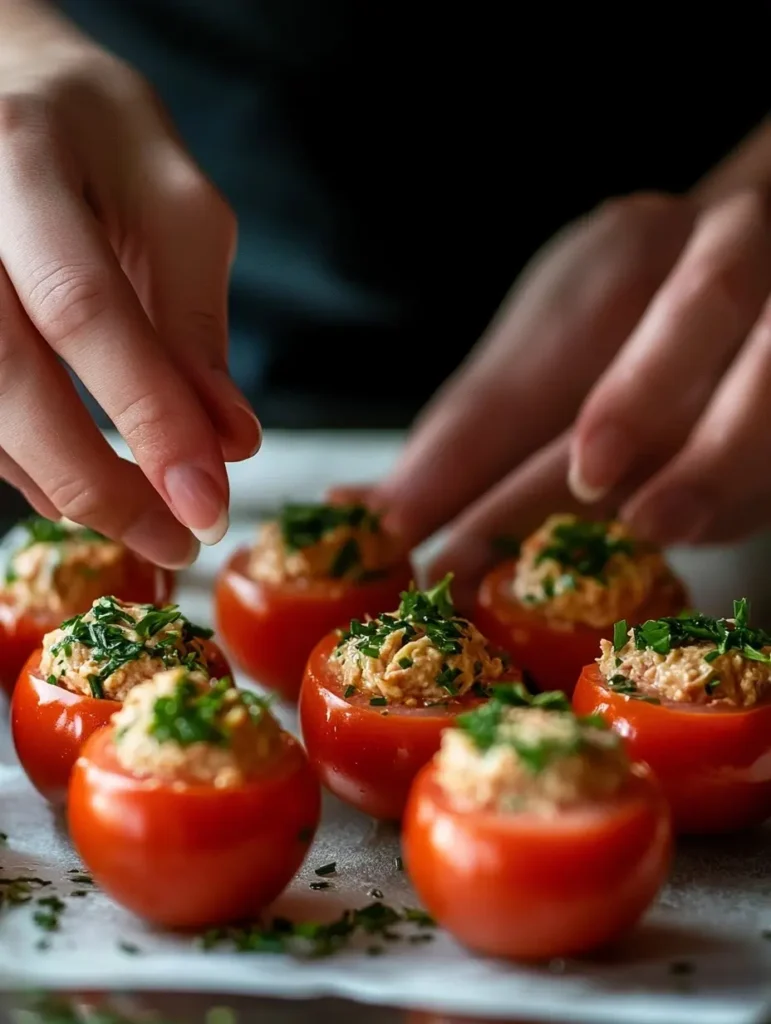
<point x="115" y="253"/>
<point x="629" y="370"/>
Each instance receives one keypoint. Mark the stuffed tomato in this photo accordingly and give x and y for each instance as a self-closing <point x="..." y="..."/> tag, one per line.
<point x="311" y="571"/>
<point x="573" y="579"/>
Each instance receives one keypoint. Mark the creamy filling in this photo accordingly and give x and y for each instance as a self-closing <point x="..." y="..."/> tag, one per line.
<point x="62" y="568"/>
<point x="181" y="727"/>
<point x="593" y="574"/>
<point x="115" y="646"/>
<point x="322" y="542"/>
<point x="529" y="759"/>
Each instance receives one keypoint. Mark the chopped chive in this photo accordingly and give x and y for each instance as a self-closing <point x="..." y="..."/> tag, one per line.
<point x="327" y="869"/>
<point x="349" y="691"/>
<point x="378" y="702"/>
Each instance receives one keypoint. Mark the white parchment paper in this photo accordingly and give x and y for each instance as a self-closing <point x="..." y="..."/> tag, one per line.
<point x="700" y="955"/>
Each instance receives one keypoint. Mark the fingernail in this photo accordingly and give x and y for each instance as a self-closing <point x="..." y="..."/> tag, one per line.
<point x="599" y="463"/>
<point x="677" y="516"/>
<point x="162" y="541"/>
<point x="198" y="502"/>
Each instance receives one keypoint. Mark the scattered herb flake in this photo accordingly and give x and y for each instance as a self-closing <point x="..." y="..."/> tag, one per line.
<point x="349" y="691"/>
<point x="327" y="869"/>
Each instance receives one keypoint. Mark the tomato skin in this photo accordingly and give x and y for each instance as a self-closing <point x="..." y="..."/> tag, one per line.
<point x="271" y="629"/>
<point x="714" y="765"/>
<point x="531" y="889"/>
<point x="21" y="632"/>
<point x="367" y="759"/>
<point x="50" y="724"/>
<point x="552" y="657"/>
<point x="196" y="856"/>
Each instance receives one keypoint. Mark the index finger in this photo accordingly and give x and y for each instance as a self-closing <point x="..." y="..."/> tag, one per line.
<point x="75" y="293"/>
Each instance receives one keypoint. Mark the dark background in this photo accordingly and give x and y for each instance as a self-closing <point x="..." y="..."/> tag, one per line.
<point x="394" y="166"/>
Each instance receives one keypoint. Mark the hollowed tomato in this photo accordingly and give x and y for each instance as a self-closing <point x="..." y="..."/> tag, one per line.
<point x="367" y="755"/>
<point x="22" y="631"/>
<point x="714" y="763"/>
<point x="551" y="655"/>
<point x="192" y="856"/>
<point x="50" y="724"/>
<point x="271" y="629"/>
<point x="531" y="888"/>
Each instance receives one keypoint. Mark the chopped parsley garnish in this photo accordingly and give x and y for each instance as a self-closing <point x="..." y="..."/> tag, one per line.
<point x="346" y="559"/>
<point x="621" y="684"/>
<point x="378" y="702"/>
<point x="349" y="690"/>
<point x="194" y="715"/>
<point x="48" y="531"/>
<point x="302" y="526"/>
<point x="49" y="917"/>
<point x="584" y="547"/>
<point x="484" y="726"/>
<point x="620" y="635"/>
<point x="375" y="921"/>
<point x="428" y="611"/>
<point x="446" y="679"/>
<point x="405" y="663"/>
<point x="327" y="869"/>
<point x="129" y="948"/>
<point x="664" y="635"/>
<point x="110" y="646"/>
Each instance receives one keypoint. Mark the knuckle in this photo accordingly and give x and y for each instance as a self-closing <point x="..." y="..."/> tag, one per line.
<point x="142" y="420"/>
<point x="64" y="299"/>
<point x="20" y="113"/>
<point x="724" y="284"/>
<point x="80" y="500"/>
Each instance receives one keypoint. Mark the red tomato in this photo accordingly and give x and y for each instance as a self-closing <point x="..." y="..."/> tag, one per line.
<point x="552" y="657"/>
<point x="21" y="632"/>
<point x="529" y="888"/>
<point x="50" y="724"/>
<point x="714" y="764"/>
<point x="192" y="856"/>
<point x="367" y="755"/>
<point x="270" y="629"/>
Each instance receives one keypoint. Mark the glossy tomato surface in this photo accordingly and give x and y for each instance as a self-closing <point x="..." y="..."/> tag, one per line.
<point x="21" y="631"/>
<point x="192" y="856"/>
<point x="271" y="629"/>
<point x="552" y="656"/>
<point x="366" y="755"/>
<point x="714" y="764"/>
<point x="532" y="888"/>
<point x="50" y="724"/>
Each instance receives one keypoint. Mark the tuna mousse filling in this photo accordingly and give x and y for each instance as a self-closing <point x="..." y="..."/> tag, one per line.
<point x="421" y="654"/>
<point x="519" y="753"/>
<point x="114" y="646"/>
<point x="62" y="567"/>
<point x="588" y="573"/>
<point x="690" y="659"/>
<point x="317" y="542"/>
<point x="182" y="727"/>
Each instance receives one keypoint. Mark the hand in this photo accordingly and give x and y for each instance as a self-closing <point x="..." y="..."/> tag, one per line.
<point x="114" y="259"/>
<point x="617" y="364"/>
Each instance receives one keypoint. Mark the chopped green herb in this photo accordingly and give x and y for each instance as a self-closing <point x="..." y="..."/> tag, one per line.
<point x="80" y="893"/>
<point x="49" y="917"/>
<point x="405" y="663"/>
<point x="620" y="684"/>
<point x="548" y="587"/>
<point x="419" y="917"/>
<point x="378" y="702"/>
<point x="712" y="684"/>
<point x="129" y="947"/>
<point x="52" y="681"/>
<point x="78" y="878"/>
<point x="446" y="679"/>
<point x="320" y="885"/>
<point x="346" y="559"/>
<point x="399" y="864"/>
<point x="194" y="715"/>
<point x="620" y="635"/>
<point x="375" y="894"/>
<point x="349" y="691"/>
<point x="664" y="635"/>
<point x="483" y="725"/>
<point x="95" y="685"/>
<point x="584" y="546"/>
<point x="327" y="869"/>
<point x="303" y="526"/>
